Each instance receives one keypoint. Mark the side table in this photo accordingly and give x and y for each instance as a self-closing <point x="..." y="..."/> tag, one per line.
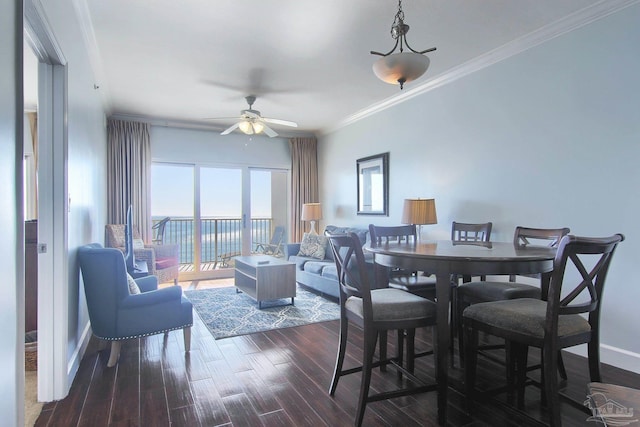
<point x="139" y="270"/>
<point x="265" y="278"/>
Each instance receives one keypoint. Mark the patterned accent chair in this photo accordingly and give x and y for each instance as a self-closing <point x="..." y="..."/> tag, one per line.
<point x="117" y="312"/>
<point x="162" y="261"/>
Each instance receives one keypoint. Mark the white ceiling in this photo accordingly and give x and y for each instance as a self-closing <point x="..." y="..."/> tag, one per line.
<point x="307" y="61"/>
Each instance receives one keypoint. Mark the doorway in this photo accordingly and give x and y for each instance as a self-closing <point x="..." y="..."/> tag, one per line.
<point x="54" y="374"/>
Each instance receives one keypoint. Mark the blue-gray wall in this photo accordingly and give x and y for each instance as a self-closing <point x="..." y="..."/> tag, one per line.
<point x="549" y="137"/>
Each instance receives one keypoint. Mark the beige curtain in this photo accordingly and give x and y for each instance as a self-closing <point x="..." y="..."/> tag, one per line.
<point x="129" y="174"/>
<point x="33" y="127"/>
<point x="304" y="180"/>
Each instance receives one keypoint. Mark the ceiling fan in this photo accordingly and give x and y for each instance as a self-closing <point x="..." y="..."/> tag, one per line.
<point x="251" y="122"/>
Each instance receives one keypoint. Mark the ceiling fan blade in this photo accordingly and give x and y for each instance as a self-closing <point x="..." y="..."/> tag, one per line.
<point x="270" y="132"/>
<point x="230" y="129"/>
<point x="280" y="122"/>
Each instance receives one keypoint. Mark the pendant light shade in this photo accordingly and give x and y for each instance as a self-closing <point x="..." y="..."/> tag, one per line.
<point x="400" y="68"/>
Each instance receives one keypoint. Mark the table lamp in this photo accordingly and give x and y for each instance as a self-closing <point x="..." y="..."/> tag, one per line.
<point x="311" y="212"/>
<point x="418" y="212"/>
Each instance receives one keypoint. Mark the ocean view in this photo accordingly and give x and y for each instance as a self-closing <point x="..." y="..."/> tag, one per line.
<point x="218" y="236"/>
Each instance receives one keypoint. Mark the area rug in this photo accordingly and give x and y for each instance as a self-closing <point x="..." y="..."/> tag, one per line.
<point x="228" y="313"/>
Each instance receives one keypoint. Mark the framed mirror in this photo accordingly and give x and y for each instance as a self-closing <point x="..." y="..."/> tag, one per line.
<point x="373" y="185"/>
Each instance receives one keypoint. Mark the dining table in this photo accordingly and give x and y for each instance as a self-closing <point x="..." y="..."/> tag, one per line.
<point x="444" y="258"/>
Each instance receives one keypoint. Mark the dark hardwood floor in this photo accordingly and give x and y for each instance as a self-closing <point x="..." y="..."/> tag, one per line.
<point x="276" y="378"/>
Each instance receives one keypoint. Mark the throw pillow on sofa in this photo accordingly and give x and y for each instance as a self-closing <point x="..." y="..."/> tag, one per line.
<point x="313" y="245"/>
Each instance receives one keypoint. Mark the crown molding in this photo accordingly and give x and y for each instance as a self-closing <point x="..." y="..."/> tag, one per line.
<point x="569" y="23"/>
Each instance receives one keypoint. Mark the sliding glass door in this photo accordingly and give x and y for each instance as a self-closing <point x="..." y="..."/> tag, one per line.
<point x="217" y="213"/>
<point x="220" y="192"/>
<point x="269" y="210"/>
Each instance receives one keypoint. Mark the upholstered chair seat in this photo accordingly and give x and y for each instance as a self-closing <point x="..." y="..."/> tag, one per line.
<point x="526" y="317"/>
<point x="392" y="304"/>
<point x="476" y="292"/>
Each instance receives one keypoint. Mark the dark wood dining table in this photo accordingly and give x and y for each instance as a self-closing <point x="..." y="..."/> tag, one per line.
<point x="444" y="258"/>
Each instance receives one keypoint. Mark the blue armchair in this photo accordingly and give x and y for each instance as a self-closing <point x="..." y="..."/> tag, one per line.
<point x="116" y="314"/>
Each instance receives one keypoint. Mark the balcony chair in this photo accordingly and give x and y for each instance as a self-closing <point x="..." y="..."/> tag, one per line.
<point x="550" y="325"/>
<point x="485" y="291"/>
<point x="375" y="311"/>
<point x="159" y="231"/>
<point x="163" y="261"/>
<point x="122" y="308"/>
<point x="274" y="247"/>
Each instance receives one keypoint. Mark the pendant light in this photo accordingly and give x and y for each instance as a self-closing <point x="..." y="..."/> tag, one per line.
<point x="402" y="67"/>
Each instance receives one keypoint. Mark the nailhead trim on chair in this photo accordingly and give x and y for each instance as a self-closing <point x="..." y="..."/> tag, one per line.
<point x="146" y="335"/>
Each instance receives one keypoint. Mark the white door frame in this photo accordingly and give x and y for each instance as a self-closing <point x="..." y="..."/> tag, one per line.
<point x="53" y="277"/>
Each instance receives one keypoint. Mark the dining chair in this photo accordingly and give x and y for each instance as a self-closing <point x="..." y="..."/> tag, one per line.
<point x="376" y="312"/>
<point x="575" y="290"/>
<point x="466" y="232"/>
<point x="470" y="233"/>
<point x="485" y="291"/>
<point x="422" y="283"/>
<point x="416" y="282"/>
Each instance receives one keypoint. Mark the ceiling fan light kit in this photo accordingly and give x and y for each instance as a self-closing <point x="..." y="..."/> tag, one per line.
<point x="400" y="68"/>
<point x="250" y="128"/>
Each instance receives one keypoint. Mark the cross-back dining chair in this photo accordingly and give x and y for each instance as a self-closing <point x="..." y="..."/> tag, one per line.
<point x="575" y="290"/>
<point x="376" y="312"/>
<point x="485" y="291"/>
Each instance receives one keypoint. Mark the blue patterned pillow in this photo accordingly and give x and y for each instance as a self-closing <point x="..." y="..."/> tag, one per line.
<point x="313" y="245"/>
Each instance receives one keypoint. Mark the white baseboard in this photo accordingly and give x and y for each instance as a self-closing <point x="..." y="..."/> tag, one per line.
<point x="614" y="356"/>
<point x="78" y="353"/>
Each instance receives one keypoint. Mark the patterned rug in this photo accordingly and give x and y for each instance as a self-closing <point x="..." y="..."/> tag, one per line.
<point x="228" y="313"/>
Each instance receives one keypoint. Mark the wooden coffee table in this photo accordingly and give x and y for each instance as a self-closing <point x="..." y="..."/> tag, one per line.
<point x="265" y="278"/>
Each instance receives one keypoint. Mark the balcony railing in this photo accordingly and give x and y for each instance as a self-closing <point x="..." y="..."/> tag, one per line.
<point x="219" y="236"/>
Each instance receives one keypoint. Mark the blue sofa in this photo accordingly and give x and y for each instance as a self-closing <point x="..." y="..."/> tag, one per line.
<point x="320" y="275"/>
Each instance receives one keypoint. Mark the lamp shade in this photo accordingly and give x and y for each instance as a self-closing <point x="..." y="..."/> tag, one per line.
<point x="311" y="212"/>
<point x="401" y="67"/>
<point x="419" y="211"/>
